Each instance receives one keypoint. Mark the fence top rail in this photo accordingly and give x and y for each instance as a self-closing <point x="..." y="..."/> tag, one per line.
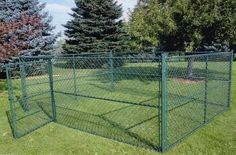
<point x="125" y="54"/>
<point x="108" y="57"/>
<point x="130" y="56"/>
<point x="88" y="56"/>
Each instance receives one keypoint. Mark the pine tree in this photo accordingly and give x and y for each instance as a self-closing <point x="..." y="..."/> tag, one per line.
<point x="43" y="42"/>
<point x="96" y="26"/>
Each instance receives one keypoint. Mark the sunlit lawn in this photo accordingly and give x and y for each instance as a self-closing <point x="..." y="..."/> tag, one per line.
<point x="219" y="137"/>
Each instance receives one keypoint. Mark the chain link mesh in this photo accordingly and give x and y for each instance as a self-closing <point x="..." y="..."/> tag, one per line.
<point x="119" y="96"/>
<point x="197" y="90"/>
<point x="28" y="87"/>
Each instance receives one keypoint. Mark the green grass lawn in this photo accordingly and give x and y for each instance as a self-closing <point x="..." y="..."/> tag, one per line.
<point x="219" y="137"/>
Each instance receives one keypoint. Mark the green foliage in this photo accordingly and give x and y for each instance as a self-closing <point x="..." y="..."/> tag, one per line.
<point x="96" y="26"/>
<point x="148" y="23"/>
<point x="184" y="24"/>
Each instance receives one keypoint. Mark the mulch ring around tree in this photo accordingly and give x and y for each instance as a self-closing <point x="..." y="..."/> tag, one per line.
<point x="190" y="80"/>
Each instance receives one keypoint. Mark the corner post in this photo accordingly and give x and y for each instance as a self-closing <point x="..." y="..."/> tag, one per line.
<point x="50" y="74"/>
<point x="164" y="107"/>
<point x="230" y="80"/>
<point x="111" y="71"/>
<point x="206" y="89"/>
<point x="24" y="103"/>
<point x="11" y="101"/>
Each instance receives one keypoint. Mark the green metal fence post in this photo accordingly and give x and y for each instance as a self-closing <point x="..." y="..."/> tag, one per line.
<point x="24" y="103"/>
<point x="74" y="74"/>
<point x="164" y="102"/>
<point x="230" y="80"/>
<point x="11" y="102"/>
<point x="112" y="72"/>
<point x="206" y="90"/>
<point x="159" y="99"/>
<point x="50" y="73"/>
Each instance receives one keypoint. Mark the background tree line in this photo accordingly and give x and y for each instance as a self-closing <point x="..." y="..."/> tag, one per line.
<point x="183" y="25"/>
<point x="96" y="26"/>
<point x="25" y="29"/>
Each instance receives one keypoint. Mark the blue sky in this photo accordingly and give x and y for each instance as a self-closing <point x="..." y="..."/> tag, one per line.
<point x="59" y="10"/>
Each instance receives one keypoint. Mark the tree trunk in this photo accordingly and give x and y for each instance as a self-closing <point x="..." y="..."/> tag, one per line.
<point x="190" y="68"/>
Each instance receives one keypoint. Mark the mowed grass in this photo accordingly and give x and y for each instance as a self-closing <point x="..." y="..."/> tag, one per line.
<point x="215" y="138"/>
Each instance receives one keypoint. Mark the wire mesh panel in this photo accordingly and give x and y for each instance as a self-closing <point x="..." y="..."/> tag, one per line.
<point x="197" y="90"/>
<point x="114" y="97"/>
<point x="143" y="100"/>
<point x="29" y="92"/>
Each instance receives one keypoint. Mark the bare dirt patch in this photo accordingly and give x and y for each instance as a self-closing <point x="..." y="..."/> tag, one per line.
<point x="41" y="76"/>
<point x="189" y="81"/>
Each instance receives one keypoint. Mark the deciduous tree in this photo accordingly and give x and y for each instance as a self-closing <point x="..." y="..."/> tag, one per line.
<point x="13" y="41"/>
<point x="12" y="10"/>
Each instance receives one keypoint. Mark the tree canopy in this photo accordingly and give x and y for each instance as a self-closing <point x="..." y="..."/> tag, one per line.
<point x="96" y="26"/>
<point x="13" y="41"/>
<point x="11" y="11"/>
<point x="183" y="25"/>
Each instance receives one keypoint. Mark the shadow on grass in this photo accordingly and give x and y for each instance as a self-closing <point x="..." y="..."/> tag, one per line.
<point x="27" y="122"/>
<point x="8" y="114"/>
<point x="105" y="127"/>
<point x="143" y="74"/>
<point x="148" y="73"/>
<point x="3" y="86"/>
<point x="128" y="90"/>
